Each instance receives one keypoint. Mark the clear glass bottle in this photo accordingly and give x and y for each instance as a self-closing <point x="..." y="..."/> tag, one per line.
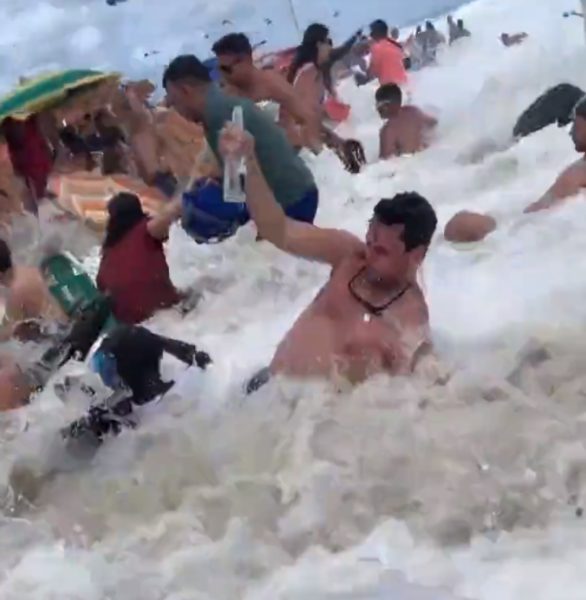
<point x="234" y="167"/>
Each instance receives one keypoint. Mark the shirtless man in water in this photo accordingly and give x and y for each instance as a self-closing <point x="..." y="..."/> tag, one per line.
<point x="242" y="78"/>
<point x="371" y="316"/>
<point x="407" y="129"/>
<point x="468" y="226"/>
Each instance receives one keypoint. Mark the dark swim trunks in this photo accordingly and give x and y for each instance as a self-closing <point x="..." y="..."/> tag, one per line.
<point x="208" y="218"/>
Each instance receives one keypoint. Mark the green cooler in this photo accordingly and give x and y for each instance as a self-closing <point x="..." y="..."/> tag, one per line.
<point x="71" y="286"/>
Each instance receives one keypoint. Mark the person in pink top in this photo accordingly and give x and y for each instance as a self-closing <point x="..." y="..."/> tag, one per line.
<point x="386" y="56"/>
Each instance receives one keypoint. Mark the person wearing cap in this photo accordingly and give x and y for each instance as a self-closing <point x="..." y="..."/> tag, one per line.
<point x="468" y="226"/>
<point x="133" y="271"/>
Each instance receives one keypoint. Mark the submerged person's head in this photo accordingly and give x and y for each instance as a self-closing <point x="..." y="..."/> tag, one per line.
<point x="389" y="98"/>
<point x="5" y="261"/>
<point x="429" y="26"/>
<point x="234" y="54"/>
<point x="124" y="213"/>
<point x="395" y="33"/>
<point x="398" y="237"/>
<point x="379" y="30"/>
<point x="186" y="81"/>
<point x="579" y="126"/>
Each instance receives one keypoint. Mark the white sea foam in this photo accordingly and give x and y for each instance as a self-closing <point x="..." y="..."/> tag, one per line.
<point x="396" y="489"/>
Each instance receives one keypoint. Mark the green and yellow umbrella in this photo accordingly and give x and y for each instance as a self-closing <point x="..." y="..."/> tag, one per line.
<point x="42" y="92"/>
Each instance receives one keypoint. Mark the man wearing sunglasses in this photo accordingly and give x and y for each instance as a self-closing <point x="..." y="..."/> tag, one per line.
<point x="371" y="316"/>
<point x="244" y="79"/>
<point x="191" y="92"/>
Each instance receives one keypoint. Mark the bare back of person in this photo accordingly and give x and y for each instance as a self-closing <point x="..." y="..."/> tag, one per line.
<point x="299" y="117"/>
<point x="406" y="133"/>
<point x="338" y="335"/>
<point x="29" y="297"/>
<point x="262" y="86"/>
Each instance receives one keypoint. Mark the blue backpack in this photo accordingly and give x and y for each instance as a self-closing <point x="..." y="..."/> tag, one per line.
<point x="207" y="218"/>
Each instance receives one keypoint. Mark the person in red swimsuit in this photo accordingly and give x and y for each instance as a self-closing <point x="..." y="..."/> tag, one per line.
<point x="30" y="156"/>
<point x="134" y="271"/>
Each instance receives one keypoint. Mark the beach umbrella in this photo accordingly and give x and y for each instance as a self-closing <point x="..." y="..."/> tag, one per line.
<point x="39" y="93"/>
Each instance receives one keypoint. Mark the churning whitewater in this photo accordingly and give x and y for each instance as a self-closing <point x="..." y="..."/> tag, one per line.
<point x="471" y="488"/>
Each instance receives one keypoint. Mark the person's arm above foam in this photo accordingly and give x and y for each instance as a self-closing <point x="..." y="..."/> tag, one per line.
<point x="302" y="239"/>
<point x="158" y="227"/>
<point x="569" y="183"/>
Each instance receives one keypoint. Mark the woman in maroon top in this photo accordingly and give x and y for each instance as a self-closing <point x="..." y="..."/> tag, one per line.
<point x="134" y="270"/>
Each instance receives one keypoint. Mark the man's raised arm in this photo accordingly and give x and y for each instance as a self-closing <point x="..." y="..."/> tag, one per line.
<point x="301" y="239"/>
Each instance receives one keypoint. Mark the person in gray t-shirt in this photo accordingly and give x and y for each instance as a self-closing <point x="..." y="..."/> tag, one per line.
<point x="192" y="93"/>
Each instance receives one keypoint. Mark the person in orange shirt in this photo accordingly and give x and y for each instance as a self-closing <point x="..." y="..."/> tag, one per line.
<point x="386" y="56"/>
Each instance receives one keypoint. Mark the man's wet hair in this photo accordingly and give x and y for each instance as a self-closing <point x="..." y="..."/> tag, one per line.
<point x="5" y="257"/>
<point x="233" y="43"/>
<point x="186" y="67"/>
<point x="413" y="212"/>
<point x="379" y="29"/>
<point x="389" y="92"/>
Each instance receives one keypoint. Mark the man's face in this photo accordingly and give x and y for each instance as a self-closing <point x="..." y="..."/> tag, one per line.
<point x="236" y="68"/>
<point x="579" y="133"/>
<point x="180" y="96"/>
<point x="387" y="108"/>
<point x="386" y="257"/>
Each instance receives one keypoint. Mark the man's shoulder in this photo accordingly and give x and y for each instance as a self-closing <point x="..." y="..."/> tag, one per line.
<point x="355" y="256"/>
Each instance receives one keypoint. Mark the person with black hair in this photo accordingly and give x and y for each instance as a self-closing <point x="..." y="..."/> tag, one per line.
<point x="133" y="271"/>
<point x="27" y="295"/>
<point x="191" y="92"/>
<point x="244" y="79"/>
<point x="387" y="59"/>
<point x="371" y="316"/>
<point x="467" y="226"/>
<point x="303" y="125"/>
<point x="407" y="129"/>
